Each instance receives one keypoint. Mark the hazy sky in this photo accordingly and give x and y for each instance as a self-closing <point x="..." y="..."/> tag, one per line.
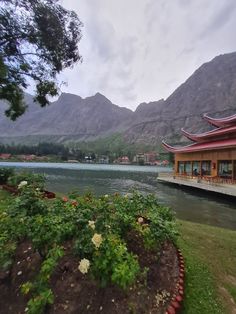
<point x="141" y="50"/>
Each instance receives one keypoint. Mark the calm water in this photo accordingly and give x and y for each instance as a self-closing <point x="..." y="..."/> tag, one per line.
<point x="105" y="179"/>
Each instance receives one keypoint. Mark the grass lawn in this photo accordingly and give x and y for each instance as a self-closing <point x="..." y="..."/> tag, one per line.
<point x="210" y="257"/>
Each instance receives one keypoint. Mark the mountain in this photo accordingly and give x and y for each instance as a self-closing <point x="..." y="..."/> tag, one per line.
<point x="210" y="89"/>
<point x="70" y="115"/>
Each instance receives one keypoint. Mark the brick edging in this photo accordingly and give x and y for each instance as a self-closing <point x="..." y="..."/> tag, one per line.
<point x="176" y="302"/>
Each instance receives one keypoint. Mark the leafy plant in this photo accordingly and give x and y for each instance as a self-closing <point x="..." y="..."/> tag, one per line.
<point x="5" y="173"/>
<point x="33" y="179"/>
<point x="113" y="263"/>
<point x="41" y="293"/>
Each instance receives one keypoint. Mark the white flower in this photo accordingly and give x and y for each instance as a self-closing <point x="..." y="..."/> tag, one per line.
<point x="140" y="220"/>
<point x="91" y="224"/>
<point x="84" y="265"/>
<point x="106" y="195"/>
<point x="97" y="240"/>
<point x="21" y="184"/>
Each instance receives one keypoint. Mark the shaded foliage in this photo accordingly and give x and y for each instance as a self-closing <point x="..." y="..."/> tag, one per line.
<point x="41" y="149"/>
<point x="38" y="39"/>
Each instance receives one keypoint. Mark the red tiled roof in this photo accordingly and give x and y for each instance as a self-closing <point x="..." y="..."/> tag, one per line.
<point x="210" y="134"/>
<point x="219" y="122"/>
<point x="221" y="144"/>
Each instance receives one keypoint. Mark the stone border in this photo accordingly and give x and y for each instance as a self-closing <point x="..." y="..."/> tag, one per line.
<point x="177" y="298"/>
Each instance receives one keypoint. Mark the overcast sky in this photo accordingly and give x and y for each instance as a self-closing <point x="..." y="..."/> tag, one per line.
<point x="141" y="50"/>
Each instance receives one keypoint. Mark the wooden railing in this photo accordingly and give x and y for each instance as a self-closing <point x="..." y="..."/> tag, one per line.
<point x="205" y="179"/>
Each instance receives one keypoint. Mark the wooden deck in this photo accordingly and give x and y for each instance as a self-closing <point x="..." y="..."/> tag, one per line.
<point x="199" y="183"/>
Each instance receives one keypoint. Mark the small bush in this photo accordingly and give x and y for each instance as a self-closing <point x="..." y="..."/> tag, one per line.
<point x="5" y="173"/>
<point x="33" y="179"/>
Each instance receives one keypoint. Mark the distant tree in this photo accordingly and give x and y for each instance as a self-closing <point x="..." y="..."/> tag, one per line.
<point x="93" y="156"/>
<point x="38" y="39"/>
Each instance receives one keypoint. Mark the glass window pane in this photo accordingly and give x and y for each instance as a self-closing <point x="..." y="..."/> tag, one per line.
<point x="188" y="168"/>
<point x="206" y="168"/>
<point x="181" y="167"/>
<point x="196" y="168"/>
<point x="225" y="168"/>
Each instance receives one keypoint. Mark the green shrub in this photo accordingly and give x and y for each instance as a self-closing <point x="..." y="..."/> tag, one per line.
<point x="5" y="173"/>
<point x="113" y="263"/>
<point x="33" y="179"/>
<point x="29" y="202"/>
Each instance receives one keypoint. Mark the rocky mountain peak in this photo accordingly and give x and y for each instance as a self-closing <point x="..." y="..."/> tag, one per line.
<point x="211" y="89"/>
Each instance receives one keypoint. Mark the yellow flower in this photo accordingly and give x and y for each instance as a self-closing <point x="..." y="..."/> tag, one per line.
<point x="91" y="224"/>
<point x="84" y="266"/>
<point x="97" y="240"/>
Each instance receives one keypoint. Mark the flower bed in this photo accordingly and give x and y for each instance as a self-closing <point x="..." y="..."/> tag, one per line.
<point x="13" y="182"/>
<point x="82" y="254"/>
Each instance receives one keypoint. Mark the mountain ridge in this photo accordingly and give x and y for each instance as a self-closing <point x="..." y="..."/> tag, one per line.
<point x="211" y="88"/>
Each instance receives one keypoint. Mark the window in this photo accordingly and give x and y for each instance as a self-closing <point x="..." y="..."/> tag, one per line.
<point x="185" y="167"/>
<point x="188" y="168"/>
<point x="206" y="168"/>
<point x="181" y="167"/>
<point x="196" y="168"/>
<point x="225" y="168"/>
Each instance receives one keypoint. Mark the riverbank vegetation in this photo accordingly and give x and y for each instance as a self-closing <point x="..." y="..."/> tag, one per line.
<point x="105" y="150"/>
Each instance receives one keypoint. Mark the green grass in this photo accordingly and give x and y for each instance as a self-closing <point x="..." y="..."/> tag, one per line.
<point x="210" y="256"/>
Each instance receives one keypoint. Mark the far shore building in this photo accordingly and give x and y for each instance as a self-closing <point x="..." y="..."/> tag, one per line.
<point x="146" y="158"/>
<point x="5" y="156"/>
<point x="212" y="155"/>
<point x="124" y="160"/>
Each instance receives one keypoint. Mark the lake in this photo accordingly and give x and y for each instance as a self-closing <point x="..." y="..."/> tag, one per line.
<point x="196" y="206"/>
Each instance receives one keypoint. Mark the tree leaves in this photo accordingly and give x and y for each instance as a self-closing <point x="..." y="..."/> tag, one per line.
<point x="38" y="39"/>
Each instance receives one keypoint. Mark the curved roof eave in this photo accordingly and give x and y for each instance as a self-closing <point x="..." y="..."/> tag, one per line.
<point x="218" y="122"/>
<point x="209" y="134"/>
<point x="173" y="149"/>
<point x="221" y="144"/>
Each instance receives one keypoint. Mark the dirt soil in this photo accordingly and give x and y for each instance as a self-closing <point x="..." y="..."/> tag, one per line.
<point x="25" y="267"/>
<point x="76" y="293"/>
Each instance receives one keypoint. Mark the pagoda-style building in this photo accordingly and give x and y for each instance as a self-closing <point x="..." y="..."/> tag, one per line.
<point x="212" y="155"/>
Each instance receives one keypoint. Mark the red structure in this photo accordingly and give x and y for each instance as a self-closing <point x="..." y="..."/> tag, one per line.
<point x="212" y="154"/>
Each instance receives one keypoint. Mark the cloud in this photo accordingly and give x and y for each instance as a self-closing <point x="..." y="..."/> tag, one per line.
<point x="138" y="51"/>
<point x="220" y="17"/>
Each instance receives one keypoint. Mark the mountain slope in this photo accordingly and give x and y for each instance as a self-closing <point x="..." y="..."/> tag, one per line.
<point x="210" y="89"/>
<point x="69" y="115"/>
